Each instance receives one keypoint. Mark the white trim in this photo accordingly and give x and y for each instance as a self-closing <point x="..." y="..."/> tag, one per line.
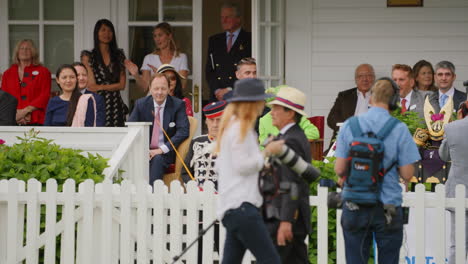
<point x="41" y="31"/>
<point x="197" y="65"/>
<point x="255" y="29"/>
<point x="4" y="40"/>
<point x="78" y="28"/>
<point x="153" y="23"/>
<point x="122" y="31"/>
<point x="44" y="22"/>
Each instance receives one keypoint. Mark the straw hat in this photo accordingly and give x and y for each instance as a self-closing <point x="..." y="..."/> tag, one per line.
<point x="291" y="98"/>
<point x="169" y="67"/>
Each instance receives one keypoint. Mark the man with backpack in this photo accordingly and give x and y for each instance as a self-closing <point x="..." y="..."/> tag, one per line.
<point x="373" y="151"/>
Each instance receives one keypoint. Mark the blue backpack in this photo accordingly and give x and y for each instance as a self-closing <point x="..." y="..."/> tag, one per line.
<point x="366" y="169"/>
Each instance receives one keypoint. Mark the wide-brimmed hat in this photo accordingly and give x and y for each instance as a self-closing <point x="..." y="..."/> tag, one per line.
<point x="249" y="90"/>
<point x="215" y="109"/>
<point x="291" y="98"/>
<point x="169" y="67"/>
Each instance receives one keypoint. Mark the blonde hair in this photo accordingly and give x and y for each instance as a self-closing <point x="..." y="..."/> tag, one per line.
<point x="244" y="112"/>
<point x="34" y="52"/>
<point x="382" y="91"/>
<point x="167" y="29"/>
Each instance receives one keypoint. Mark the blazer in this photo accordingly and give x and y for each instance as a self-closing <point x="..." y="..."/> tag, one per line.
<point x="8" y="105"/>
<point x="344" y="108"/>
<point x="455" y="148"/>
<point x="100" y="109"/>
<point x="297" y="141"/>
<point x="458" y="97"/>
<point x="175" y="121"/>
<point x="221" y="66"/>
<point x="417" y="102"/>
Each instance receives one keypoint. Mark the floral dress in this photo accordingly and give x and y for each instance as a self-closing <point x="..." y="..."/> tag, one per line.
<point x="116" y="110"/>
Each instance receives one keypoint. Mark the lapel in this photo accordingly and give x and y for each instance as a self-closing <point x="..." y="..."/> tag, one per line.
<point x="148" y="110"/>
<point x="353" y="98"/>
<point x="415" y="99"/>
<point x="167" y="112"/>
<point x="224" y="43"/>
<point x="235" y="45"/>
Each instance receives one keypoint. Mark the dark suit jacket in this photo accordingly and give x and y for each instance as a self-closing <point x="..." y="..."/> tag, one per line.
<point x="220" y="65"/>
<point x="344" y="107"/>
<point x="458" y="97"/>
<point x="8" y="104"/>
<point x="175" y="121"/>
<point x="297" y="141"/>
<point x="100" y="109"/>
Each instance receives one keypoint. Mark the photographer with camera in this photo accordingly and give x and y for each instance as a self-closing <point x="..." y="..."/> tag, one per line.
<point x="376" y="207"/>
<point x="287" y="210"/>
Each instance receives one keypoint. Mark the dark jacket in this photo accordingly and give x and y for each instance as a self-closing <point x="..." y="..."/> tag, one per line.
<point x="100" y="109"/>
<point x="8" y="105"/>
<point x="344" y="108"/>
<point x="175" y="121"/>
<point x="458" y="97"/>
<point x="220" y="65"/>
<point x="288" y="207"/>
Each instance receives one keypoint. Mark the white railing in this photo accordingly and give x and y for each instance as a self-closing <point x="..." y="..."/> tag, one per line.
<point x="125" y="147"/>
<point x="126" y="223"/>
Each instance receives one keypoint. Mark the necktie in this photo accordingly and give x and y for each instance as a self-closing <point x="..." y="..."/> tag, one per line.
<point x="443" y="100"/>
<point x="229" y="44"/>
<point x="403" y="105"/>
<point x="155" y="136"/>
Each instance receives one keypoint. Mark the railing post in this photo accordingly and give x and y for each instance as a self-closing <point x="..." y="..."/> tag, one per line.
<point x="139" y="160"/>
<point x="460" y="214"/>
<point x="322" y="225"/>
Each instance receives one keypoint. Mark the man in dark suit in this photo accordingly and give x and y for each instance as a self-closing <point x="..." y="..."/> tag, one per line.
<point x="289" y="223"/>
<point x="444" y="77"/>
<point x="353" y="101"/>
<point x="410" y="99"/>
<point x="160" y="108"/>
<point x="225" y="50"/>
<point x="8" y="105"/>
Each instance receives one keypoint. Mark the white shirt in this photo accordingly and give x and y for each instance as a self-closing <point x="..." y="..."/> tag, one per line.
<point x="450" y="93"/>
<point x="408" y="100"/>
<point x="161" y="144"/>
<point x="234" y="37"/>
<point x="237" y="165"/>
<point x="179" y="62"/>
<point x="362" y="104"/>
<point x="83" y="91"/>
<point x="286" y="128"/>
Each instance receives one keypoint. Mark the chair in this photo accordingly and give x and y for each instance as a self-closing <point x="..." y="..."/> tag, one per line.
<point x="316" y="145"/>
<point x="174" y="170"/>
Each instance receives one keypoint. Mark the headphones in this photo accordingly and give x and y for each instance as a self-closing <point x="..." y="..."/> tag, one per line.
<point x="395" y="99"/>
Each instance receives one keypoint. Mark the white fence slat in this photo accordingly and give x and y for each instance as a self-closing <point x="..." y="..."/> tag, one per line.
<point x="125" y="223"/>
<point x="85" y="225"/>
<point x="51" y="219"/>
<point x="340" y="250"/>
<point x="175" y="237"/>
<point x="21" y="222"/>
<point x="209" y="215"/>
<point x="67" y="249"/>
<point x="12" y="199"/>
<point x="32" y="222"/>
<point x="420" y="227"/>
<point x="440" y="222"/>
<point x="460" y="255"/>
<point x="142" y="224"/>
<point x="106" y="224"/>
<point x="3" y="221"/>
<point x="192" y="222"/>
<point x="159" y="221"/>
<point x="322" y="225"/>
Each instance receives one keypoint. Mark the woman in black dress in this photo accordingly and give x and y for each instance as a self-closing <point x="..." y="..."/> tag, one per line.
<point x="105" y="61"/>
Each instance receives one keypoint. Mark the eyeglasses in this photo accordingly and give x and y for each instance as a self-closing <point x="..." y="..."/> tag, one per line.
<point x="365" y="76"/>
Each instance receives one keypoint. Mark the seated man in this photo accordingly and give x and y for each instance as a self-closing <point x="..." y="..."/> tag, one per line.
<point x="267" y="128"/>
<point x="199" y="159"/>
<point x="168" y="118"/>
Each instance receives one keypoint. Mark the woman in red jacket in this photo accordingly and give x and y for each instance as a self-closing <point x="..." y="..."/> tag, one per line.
<point x="29" y="82"/>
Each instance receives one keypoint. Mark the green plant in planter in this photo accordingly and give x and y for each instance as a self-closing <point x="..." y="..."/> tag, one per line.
<point x="39" y="158"/>
<point x="410" y="118"/>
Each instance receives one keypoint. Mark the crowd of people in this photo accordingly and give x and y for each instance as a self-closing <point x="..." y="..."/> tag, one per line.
<point x="274" y="226"/>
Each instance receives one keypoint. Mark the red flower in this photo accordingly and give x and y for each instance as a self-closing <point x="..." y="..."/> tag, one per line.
<point x="436" y="117"/>
<point x="2" y="141"/>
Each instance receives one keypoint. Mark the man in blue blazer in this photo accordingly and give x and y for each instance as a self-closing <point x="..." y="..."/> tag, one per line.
<point x="160" y="108"/>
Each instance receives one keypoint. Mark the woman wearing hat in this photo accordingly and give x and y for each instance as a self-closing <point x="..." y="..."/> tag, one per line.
<point x="175" y="85"/>
<point x="238" y="162"/>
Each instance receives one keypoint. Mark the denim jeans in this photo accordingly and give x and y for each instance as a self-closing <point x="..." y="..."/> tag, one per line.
<point x="245" y="230"/>
<point x="358" y="227"/>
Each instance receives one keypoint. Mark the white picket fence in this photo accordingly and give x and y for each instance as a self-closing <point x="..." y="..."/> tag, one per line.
<point x="111" y="223"/>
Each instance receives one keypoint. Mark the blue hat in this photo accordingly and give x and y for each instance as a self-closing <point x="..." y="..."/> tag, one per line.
<point x="215" y="109"/>
<point x="249" y="90"/>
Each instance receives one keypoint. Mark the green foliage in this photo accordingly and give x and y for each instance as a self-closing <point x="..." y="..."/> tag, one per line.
<point x="39" y="158"/>
<point x="410" y="118"/>
<point x="327" y="169"/>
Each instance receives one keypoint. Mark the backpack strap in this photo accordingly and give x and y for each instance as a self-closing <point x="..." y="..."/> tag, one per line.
<point x="387" y="128"/>
<point x="355" y="127"/>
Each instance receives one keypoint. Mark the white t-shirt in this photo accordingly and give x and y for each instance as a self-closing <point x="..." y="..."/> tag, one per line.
<point x="179" y="62"/>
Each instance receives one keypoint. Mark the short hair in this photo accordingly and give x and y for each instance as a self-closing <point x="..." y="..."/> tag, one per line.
<point x="382" y="91"/>
<point x="297" y="117"/>
<point x="234" y="6"/>
<point x="34" y="52"/>
<point x="445" y="65"/>
<point x="361" y="65"/>
<point x="77" y="63"/>
<point x="405" y="68"/>
<point x="159" y="75"/>
<point x="246" y="61"/>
